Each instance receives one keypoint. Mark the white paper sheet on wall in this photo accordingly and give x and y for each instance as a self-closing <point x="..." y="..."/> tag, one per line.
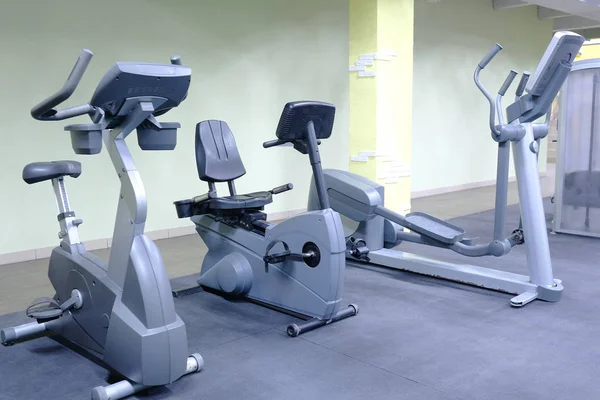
<point x="367" y="153"/>
<point x="359" y="159"/>
<point x="354" y="68"/>
<point x="365" y="62"/>
<point x="366" y="73"/>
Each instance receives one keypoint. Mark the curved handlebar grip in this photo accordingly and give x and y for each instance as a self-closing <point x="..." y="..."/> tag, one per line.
<point x="45" y="109"/>
<point x="486" y="60"/>
<point x="523" y="83"/>
<point x="176" y="60"/>
<point x="273" y="143"/>
<point x="507" y="82"/>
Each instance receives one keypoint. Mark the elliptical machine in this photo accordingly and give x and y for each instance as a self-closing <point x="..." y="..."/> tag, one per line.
<point x="296" y="266"/>
<point x="121" y="313"/>
<point x="380" y="229"/>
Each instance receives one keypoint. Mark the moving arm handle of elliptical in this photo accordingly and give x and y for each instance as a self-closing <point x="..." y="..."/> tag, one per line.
<point x="507" y="82"/>
<point x="489" y="56"/>
<point x="522" y="84"/>
<point x="45" y="111"/>
<point x="482" y="64"/>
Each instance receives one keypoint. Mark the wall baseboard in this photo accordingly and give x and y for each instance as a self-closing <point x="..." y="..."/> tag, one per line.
<point x="99" y="244"/>
<point x="466" y="186"/>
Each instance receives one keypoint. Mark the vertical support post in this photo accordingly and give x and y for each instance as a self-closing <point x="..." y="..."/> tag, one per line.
<point x="231" y="185"/>
<point x="315" y="162"/>
<point x="532" y="209"/>
<point x="131" y="212"/>
<point x="502" y="170"/>
<point x="591" y="151"/>
<point x="69" y="233"/>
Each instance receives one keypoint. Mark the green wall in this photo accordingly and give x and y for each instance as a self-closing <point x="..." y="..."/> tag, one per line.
<point x="451" y="139"/>
<point x="248" y="58"/>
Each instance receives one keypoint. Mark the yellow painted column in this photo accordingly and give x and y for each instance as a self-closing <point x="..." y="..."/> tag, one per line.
<point x="381" y="52"/>
<point x="590" y="50"/>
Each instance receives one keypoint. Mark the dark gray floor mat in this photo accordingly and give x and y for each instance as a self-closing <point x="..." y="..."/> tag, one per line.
<point x="415" y="338"/>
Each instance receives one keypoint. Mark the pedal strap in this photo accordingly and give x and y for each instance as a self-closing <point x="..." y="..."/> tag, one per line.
<point x="44" y="309"/>
<point x="278" y="257"/>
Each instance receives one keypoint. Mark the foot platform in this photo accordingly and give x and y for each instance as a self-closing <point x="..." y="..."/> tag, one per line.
<point x="294" y="330"/>
<point x="434" y="228"/>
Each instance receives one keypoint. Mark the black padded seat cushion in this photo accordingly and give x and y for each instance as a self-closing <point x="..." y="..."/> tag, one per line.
<point x="43" y="171"/>
<point x="240" y="201"/>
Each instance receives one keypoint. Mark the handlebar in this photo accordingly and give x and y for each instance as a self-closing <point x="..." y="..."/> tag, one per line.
<point x="45" y="110"/>
<point x="282" y="188"/>
<point x="507" y="82"/>
<point x="488" y="57"/>
<point x="482" y="64"/>
<point x="273" y="143"/>
<point x="279" y="142"/>
<point x="523" y="83"/>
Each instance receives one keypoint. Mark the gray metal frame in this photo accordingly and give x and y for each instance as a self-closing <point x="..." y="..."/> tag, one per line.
<point x="298" y="265"/>
<point x="381" y="229"/>
<point x="122" y="311"/>
<point x="563" y="117"/>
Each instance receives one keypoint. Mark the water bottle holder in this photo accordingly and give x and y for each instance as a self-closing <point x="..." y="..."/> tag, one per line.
<point x="86" y="138"/>
<point x="151" y="137"/>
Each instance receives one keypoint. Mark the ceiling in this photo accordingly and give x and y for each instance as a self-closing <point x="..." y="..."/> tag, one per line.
<point x="570" y="6"/>
<point x="566" y="14"/>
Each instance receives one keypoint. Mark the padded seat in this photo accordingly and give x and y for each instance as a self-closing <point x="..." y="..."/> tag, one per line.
<point x="240" y="201"/>
<point x="43" y="171"/>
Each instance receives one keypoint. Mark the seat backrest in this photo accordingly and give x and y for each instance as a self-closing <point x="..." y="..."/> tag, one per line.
<point x="217" y="156"/>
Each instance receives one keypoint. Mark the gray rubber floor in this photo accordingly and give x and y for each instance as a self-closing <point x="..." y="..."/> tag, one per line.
<point x="415" y="338"/>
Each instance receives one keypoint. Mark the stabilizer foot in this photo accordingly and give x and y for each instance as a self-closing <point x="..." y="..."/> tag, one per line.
<point x="10" y="335"/>
<point x="126" y="388"/>
<point x="523" y="299"/>
<point x="294" y="330"/>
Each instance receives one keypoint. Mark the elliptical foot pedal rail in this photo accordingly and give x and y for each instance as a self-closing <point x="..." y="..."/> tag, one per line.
<point x="294" y="330"/>
<point x="435" y="228"/>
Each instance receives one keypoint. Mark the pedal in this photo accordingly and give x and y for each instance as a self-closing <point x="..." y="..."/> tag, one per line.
<point x="46" y="309"/>
<point x="311" y="254"/>
<point x="277" y="258"/>
<point x="434" y="228"/>
<point x="358" y="249"/>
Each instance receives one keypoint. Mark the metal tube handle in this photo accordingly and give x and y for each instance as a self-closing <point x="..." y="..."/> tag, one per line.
<point x="489" y="56"/>
<point x="273" y="143"/>
<point x="176" y="60"/>
<point x="45" y="110"/>
<point x="282" y="188"/>
<point x="507" y="82"/>
<point x="522" y="84"/>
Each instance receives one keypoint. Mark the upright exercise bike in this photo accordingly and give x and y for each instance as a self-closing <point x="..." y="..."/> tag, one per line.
<point x="296" y="266"/>
<point x="121" y="313"/>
